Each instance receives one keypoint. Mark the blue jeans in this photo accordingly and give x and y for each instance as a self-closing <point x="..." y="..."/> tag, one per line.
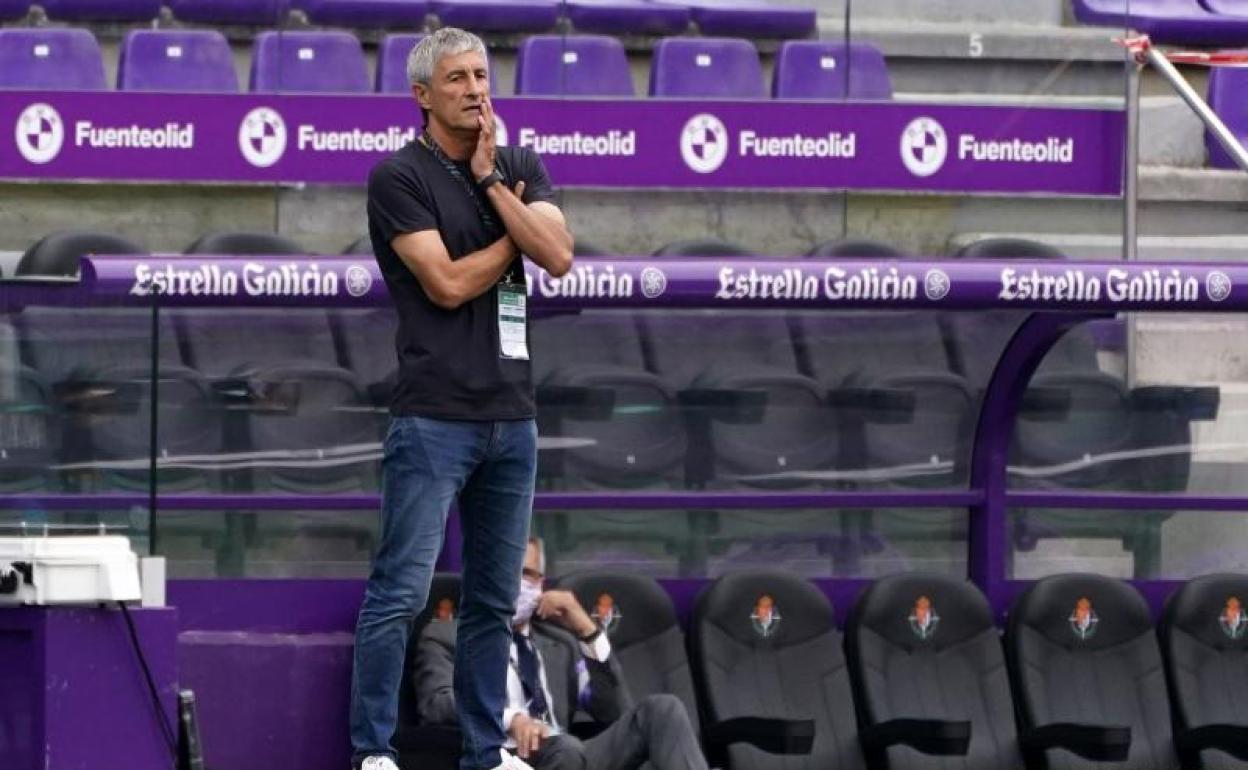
<point x="490" y="467"/>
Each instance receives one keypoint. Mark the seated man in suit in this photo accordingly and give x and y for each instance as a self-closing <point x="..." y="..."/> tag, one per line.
<point x="558" y="667"/>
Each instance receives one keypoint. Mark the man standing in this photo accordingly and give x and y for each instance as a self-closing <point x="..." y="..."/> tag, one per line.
<point x="449" y="216"/>
<point x="563" y="667"/>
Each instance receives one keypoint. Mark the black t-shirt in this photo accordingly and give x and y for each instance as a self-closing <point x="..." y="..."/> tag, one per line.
<point x="449" y="362"/>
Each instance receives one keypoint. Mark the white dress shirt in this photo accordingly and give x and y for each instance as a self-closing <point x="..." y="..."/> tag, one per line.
<point x="599" y="650"/>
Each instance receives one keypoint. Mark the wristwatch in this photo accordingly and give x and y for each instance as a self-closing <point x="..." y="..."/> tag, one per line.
<point x="590" y="638"/>
<point x="489" y="180"/>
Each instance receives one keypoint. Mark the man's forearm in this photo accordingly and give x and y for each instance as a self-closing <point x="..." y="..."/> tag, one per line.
<point x="468" y="277"/>
<point x="546" y="241"/>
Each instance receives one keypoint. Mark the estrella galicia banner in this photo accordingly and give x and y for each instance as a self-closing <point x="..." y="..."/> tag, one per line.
<point x="344" y="281"/>
<point x="635" y="143"/>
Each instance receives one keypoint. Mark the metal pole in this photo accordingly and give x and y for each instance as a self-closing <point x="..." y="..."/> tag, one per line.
<point x="1131" y="165"/>
<point x="1131" y="196"/>
<point x="1224" y="135"/>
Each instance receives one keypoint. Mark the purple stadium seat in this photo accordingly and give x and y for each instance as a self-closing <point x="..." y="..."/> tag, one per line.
<point x="392" y="63"/>
<point x="266" y="12"/>
<point x="176" y="60"/>
<point x="1235" y="8"/>
<point x="1167" y="21"/>
<point x="498" y="15"/>
<point x="366" y="13"/>
<point x="704" y="66"/>
<point x="56" y="59"/>
<point x="629" y="17"/>
<point x="13" y="9"/>
<point x="752" y="18"/>
<point x="311" y="62"/>
<point x="813" y="69"/>
<point x="575" y="65"/>
<point x="102" y="10"/>
<point x="1228" y="96"/>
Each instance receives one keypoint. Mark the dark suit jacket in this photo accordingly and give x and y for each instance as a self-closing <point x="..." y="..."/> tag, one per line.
<point x="607" y="699"/>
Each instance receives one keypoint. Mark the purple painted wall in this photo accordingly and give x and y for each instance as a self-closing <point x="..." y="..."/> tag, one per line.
<point x="74" y="696"/>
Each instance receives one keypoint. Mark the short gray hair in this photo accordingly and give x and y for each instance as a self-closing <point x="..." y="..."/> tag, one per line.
<point x="448" y="41"/>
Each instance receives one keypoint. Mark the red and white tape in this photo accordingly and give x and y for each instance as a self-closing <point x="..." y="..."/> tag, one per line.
<point x="1139" y="47"/>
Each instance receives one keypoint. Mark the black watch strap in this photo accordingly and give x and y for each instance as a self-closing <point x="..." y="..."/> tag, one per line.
<point x="489" y="180"/>
<point x="591" y="638"/>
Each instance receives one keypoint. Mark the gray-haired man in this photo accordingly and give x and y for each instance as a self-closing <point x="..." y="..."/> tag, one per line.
<point x="450" y="215"/>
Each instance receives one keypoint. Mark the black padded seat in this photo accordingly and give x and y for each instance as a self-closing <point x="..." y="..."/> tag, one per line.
<point x="638" y="617"/>
<point x="1087" y="676"/>
<point x="590" y="372"/>
<point x="1010" y="248"/>
<point x="929" y="676"/>
<point x="854" y="247"/>
<point x="29" y="426"/>
<point x="621" y="428"/>
<point x="360" y="247"/>
<point x="57" y="254"/>
<point x="420" y="746"/>
<point x="765" y="645"/>
<point x="754" y="419"/>
<point x="583" y="248"/>
<point x="242" y="243"/>
<point x="284" y="351"/>
<point x="703" y="247"/>
<point x="98" y="359"/>
<point x="1204" y="643"/>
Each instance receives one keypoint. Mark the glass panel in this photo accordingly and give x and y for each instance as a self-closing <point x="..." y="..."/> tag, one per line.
<point x="1159" y="544"/>
<point x="815" y="543"/>
<point x="75" y="411"/>
<point x="268" y="544"/>
<point x="289" y="414"/>
<point x="1160" y="410"/>
<point x="752" y="400"/>
<point x="37" y="520"/>
<point x="1200" y="358"/>
<point x="1173" y="425"/>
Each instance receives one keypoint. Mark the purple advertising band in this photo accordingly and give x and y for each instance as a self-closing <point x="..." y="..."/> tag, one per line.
<point x="629" y="143"/>
<point x="692" y="283"/>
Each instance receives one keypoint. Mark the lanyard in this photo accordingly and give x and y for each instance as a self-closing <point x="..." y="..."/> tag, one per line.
<point x="487" y="217"/>
<point x="492" y="227"/>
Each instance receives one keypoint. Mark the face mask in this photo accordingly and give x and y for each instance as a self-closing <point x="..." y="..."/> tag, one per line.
<point x="526" y="602"/>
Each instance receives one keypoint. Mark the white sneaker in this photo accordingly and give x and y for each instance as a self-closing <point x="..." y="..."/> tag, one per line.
<point x="378" y="763"/>
<point x="510" y="763"/>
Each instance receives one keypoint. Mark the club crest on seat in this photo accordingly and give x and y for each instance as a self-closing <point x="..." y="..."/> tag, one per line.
<point x="923" y="618"/>
<point x="766" y="616"/>
<point x="606" y="613"/>
<point x="1232" y="619"/>
<point x="1083" y="620"/>
<point x="444" y="610"/>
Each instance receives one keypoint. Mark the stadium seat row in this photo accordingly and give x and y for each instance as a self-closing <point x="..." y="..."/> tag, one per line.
<point x="334" y="62"/>
<point x="921" y="677"/>
<point x="755" y="18"/>
<point x="1192" y="22"/>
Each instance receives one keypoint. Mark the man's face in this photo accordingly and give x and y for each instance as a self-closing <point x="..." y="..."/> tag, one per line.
<point x="459" y="85"/>
<point x="532" y="571"/>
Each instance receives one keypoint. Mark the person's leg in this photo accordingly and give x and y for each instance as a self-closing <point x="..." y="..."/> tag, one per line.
<point x="560" y="752"/>
<point x="656" y="729"/>
<point x="495" y="509"/>
<point x="425" y="464"/>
